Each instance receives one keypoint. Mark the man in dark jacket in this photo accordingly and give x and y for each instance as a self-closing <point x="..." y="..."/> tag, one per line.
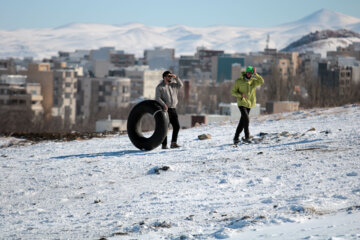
<point x="166" y="95"/>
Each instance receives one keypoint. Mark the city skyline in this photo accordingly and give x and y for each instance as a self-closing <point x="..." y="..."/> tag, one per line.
<point x="20" y="14"/>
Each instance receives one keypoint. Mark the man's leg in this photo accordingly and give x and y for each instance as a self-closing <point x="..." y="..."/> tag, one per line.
<point x="240" y="126"/>
<point x="174" y="120"/>
<point x="245" y="112"/>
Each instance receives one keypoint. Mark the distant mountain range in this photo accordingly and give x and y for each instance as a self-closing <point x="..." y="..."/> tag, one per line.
<point x="136" y="37"/>
<point x="320" y="40"/>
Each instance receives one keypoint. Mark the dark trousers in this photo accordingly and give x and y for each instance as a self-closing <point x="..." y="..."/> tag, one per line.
<point x="174" y="121"/>
<point x="243" y="123"/>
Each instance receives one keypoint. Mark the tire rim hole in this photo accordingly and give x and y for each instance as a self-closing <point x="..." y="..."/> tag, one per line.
<point x="147" y="125"/>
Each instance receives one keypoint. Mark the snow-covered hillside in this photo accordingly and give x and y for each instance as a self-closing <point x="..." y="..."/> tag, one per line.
<point x="135" y="37"/>
<point x="302" y="181"/>
<point x="323" y="41"/>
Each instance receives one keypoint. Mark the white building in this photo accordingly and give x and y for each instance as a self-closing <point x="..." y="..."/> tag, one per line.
<point x="232" y="110"/>
<point x="111" y="125"/>
<point x="143" y="81"/>
<point x="228" y="112"/>
<point x="160" y="58"/>
<point x="354" y="64"/>
<point x="100" y="61"/>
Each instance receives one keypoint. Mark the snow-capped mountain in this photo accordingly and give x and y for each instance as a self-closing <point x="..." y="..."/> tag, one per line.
<point x="136" y="37"/>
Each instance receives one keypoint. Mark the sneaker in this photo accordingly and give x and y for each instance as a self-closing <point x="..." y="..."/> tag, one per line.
<point x="246" y="140"/>
<point x="164" y="147"/>
<point x="236" y="141"/>
<point x="174" y="145"/>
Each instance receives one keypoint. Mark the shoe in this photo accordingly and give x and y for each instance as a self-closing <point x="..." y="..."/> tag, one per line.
<point x="246" y="140"/>
<point x="236" y="141"/>
<point x="164" y="147"/>
<point x="174" y="145"/>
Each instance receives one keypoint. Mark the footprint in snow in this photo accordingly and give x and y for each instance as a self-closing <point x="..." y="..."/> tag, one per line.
<point x="352" y="174"/>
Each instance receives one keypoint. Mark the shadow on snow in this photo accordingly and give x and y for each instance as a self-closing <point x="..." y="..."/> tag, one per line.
<point x="101" y="154"/>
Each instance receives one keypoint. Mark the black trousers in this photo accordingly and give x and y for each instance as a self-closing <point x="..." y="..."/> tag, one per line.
<point x="243" y="123"/>
<point x="174" y="121"/>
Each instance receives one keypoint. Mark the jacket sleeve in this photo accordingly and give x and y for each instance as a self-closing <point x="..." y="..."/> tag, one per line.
<point x="158" y="97"/>
<point x="235" y="91"/>
<point x="178" y="83"/>
<point x="258" y="80"/>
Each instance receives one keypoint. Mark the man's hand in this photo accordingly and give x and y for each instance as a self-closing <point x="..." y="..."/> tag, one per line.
<point x="254" y="70"/>
<point x="243" y="95"/>
<point x="166" y="108"/>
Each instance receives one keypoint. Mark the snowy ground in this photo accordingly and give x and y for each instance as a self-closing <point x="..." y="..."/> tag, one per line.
<point x="301" y="182"/>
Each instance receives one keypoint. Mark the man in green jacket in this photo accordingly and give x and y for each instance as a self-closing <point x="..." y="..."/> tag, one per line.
<point x="244" y="90"/>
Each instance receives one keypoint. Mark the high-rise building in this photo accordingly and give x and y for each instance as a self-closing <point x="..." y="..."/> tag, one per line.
<point x="64" y="98"/>
<point x="222" y="67"/>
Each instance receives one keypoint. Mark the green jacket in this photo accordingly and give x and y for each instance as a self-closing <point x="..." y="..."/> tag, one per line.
<point x="242" y="85"/>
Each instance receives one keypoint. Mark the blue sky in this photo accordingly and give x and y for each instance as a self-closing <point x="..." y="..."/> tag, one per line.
<point x="15" y="14"/>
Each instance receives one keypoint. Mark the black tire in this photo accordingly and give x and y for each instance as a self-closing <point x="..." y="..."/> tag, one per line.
<point x="161" y="125"/>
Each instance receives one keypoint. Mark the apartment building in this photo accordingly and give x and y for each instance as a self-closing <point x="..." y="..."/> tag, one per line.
<point x="283" y="67"/>
<point x="64" y="97"/>
<point x="188" y="65"/>
<point x="41" y="73"/>
<point x="143" y="81"/>
<point x="122" y="60"/>
<point x="160" y="58"/>
<point x="353" y="50"/>
<point x="101" y="94"/>
<point x="100" y="61"/>
<point x="18" y="96"/>
<point x="205" y="56"/>
<point x="7" y="66"/>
